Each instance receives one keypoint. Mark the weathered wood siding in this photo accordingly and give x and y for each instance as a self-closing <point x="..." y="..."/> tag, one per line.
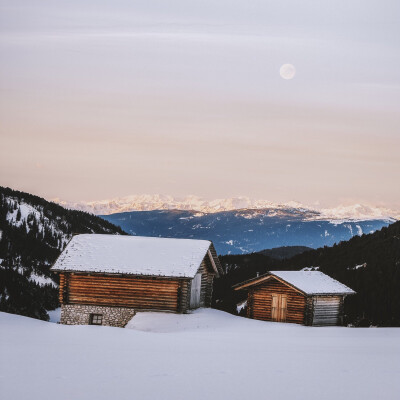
<point x="136" y="292"/>
<point x="183" y="296"/>
<point x="259" y="301"/>
<point x="308" y="317"/>
<point x="207" y="277"/>
<point x="327" y="310"/>
<point x="206" y="282"/>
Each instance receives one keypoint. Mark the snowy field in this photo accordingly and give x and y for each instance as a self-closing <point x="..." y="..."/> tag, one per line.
<point x="205" y="355"/>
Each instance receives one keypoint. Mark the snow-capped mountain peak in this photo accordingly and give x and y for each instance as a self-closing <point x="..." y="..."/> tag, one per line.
<point x="145" y="202"/>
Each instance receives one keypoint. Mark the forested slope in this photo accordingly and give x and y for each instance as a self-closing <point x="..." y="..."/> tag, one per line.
<point x="369" y="264"/>
<point x="33" y="232"/>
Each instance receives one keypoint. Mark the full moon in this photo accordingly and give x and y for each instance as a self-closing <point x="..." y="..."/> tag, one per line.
<point x="287" y="71"/>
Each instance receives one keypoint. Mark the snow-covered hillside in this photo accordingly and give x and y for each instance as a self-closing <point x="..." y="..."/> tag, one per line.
<point x="244" y="231"/>
<point x="22" y="214"/>
<point x="204" y="355"/>
<point x="194" y="203"/>
<point x="33" y="232"/>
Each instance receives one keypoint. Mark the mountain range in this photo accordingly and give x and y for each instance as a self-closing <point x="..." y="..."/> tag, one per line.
<point x="246" y="230"/>
<point x="34" y="231"/>
<point x="238" y="225"/>
<point x="145" y="202"/>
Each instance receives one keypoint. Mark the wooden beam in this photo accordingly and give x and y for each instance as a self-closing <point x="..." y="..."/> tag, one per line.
<point x="213" y="263"/>
<point x="262" y="279"/>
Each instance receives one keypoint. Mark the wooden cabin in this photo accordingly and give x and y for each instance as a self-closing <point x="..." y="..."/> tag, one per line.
<point x="300" y="297"/>
<point x="105" y="279"/>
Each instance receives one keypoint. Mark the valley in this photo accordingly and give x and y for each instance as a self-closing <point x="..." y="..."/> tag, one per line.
<point x="245" y="231"/>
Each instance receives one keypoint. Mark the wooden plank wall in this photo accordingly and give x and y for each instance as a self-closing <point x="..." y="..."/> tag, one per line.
<point x="308" y="317"/>
<point x="259" y="302"/>
<point x="183" y="296"/>
<point x="327" y="310"/>
<point x="206" y="282"/>
<point x="207" y="277"/>
<point x="136" y="292"/>
<point x="216" y="259"/>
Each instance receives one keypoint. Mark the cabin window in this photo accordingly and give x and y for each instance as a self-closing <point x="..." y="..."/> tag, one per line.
<point x="96" y="319"/>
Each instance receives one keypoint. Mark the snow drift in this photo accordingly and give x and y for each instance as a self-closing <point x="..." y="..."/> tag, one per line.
<point x="207" y="354"/>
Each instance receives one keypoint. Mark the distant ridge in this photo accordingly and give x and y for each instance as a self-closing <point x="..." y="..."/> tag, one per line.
<point x="244" y="231"/>
<point x="356" y="212"/>
<point x="284" y="252"/>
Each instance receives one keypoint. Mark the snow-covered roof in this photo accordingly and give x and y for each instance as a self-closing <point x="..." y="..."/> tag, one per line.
<point x="309" y="282"/>
<point x="135" y="255"/>
<point x="313" y="282"/>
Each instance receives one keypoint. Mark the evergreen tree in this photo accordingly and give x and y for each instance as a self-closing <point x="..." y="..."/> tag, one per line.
<point x="33" y="246"/>
<point x="369" y="264"/>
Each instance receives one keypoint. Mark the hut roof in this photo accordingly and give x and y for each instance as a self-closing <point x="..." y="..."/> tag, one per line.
<point x="135" y="255"/>
<point x="308" y="282"/>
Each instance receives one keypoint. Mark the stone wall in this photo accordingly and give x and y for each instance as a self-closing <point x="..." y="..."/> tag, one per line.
<point x="77" y="314"/>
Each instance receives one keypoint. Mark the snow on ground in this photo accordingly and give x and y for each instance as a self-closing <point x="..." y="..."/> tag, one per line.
<point x="241" y="306"/>
<point x="25" y="210"/>
<point x="55" y="315"/>
<point x="207" y="354"/>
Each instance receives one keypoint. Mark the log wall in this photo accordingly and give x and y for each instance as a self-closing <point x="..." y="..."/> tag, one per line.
<point x="259" y="302"/>
<point x="145" y="293"/>
<point x="309" y="312"/>
<point x="184" y="296"/>
<point x="207" y="278"/>
<point x="134" y="292"/>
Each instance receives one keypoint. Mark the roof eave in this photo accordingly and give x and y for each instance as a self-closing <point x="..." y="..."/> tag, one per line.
<point x="251" y="282"/>
<point x="260" y="279"/>
<point x="214" y="265"/>
<point x="332" y="293"/>
<point x="74" y="271"/>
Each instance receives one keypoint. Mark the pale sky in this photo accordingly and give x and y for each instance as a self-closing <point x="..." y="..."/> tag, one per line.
<point x="101" y="99"/>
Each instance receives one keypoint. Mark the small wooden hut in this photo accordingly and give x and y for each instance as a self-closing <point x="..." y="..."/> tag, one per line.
<point x="301" y="297"/>
<point x="105" y="279"/>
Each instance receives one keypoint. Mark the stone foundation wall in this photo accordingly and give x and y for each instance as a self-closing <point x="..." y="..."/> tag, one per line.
<point x="77" y="314"/>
